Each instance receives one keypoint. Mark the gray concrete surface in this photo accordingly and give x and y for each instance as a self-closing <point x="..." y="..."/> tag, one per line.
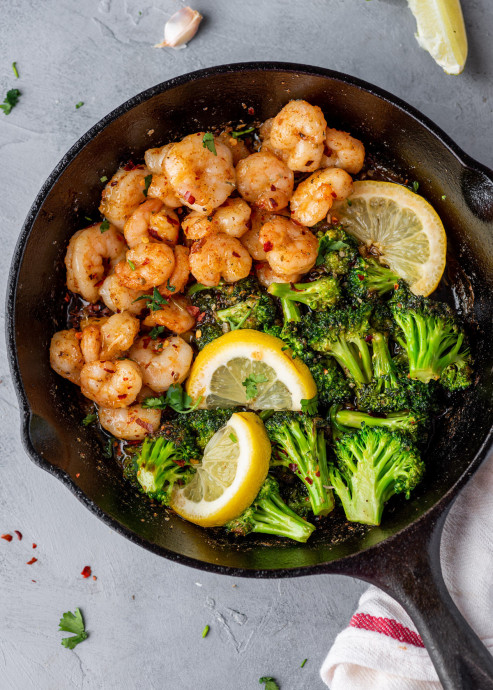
<point x="145" y="616"/>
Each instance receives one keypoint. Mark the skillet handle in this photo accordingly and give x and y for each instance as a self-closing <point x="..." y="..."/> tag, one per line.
<point x="460" y="658"/>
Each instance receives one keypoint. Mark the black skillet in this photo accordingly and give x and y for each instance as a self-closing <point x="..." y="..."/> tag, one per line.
<point x="401" y="556"/>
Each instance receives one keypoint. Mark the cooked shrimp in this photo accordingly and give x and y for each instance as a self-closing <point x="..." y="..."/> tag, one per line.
<point x="164" y="361"/>
<point x="110" y="338"/>
<point x="264" y="134"/>
<point x="237" y="147"/>
<point x="201" y="179"/>
<point x="266" y="275"/>
<point x="118" y="298"/>
<point x="132" y="423"/>
<point x="265" y="181"/>
<point x="66" y="356"/>
<point x="299" y="130"/>
<point x="146" y="266"/>
<point x="164" y="226"/>
<point x="122" y="194"/>
<point x="290" y="248"/>
<point x="176" y="315"/>
<point x="111" y="384"/>
<point x="232" y="218"/>
<point x="85" y="259"/>
<point x="314" y="196"/>
<point x="151" y="222"/>
<point x="181" y="272"/>
<point x="197" y="225"/>
<point x="160" y="187"/>
<point x="250" y="239"/>
<point x="343" y="151"/>
<point x="219" y="256"/>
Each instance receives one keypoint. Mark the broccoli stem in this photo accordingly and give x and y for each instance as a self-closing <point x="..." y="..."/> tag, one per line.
<point x="398" y="421"/>
<point x="273" y="516"/>
<point x="354" y="357"/>
<point x="383" y="367"/>
<point x="290" y="310"/>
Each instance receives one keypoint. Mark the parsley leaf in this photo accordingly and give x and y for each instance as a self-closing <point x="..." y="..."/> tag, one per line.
<point x="105" y="225"/>
<point x="108" y="449"/>
<point x="176" y="398"/>
<point x="131" y="264"/>
<point x="270" y="683"/>
<point x="170" y="287"/>
<point x="10" y="100"/>
<point x="89" y="419"/>
<point x="414" y="186"/>
<point x="303" y="662"/>
<point x="208" y="143"/>
<point x="156" y="332"/>
<point x="104" y="178"/>
<point x="205" y="631"/>
<point x="79" y="105"/>
<point x="310" y="406"/>
<point x="241" y="132"/>
<point x="250" y="383"/>
<point x="74" y="623"/>
<point x="154" y="301"/>
<point x="233" y="438"/>
<point x="326" y="245"/>
<point x="15" y="70"/>
<point x="147" y="183"/>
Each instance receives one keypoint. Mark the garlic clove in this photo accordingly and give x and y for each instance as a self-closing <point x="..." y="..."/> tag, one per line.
<point x="180" y="28"/>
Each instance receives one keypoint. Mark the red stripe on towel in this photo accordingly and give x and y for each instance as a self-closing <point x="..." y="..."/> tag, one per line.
<point x="386" y="626"/>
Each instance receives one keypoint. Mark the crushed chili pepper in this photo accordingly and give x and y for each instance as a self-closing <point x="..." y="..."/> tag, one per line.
<point x="293" y="467"/>
<point x="19" y="534"/>
<point x="251" y="111"/>
<point x="94" y="577"/>
<point x="35" y="546"/>
<point x="86" y="572"/>
<point x="189" y="198"/>
<point x="268" y="246"/>
<point x="309" y="480"/>
<point x="7" y="537"/>
<point x="77" y="475"/>
<point x="33" y="560"/>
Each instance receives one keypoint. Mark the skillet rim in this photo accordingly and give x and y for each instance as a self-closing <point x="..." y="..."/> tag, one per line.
<point x="337" y="565"/>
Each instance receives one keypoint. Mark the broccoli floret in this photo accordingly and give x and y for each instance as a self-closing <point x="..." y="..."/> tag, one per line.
<point x="318" y="295"/>
<point x="336" y="249"/>
<point x="367" y="278"/>
<point x="256" y="311"/>
<point x="299" y="445"/>
<point x="268" y="514"/>
<point x="373" y="465"/>
<point x="332" y="385"/>
<point x="405" y="422"/>
<point x="431" y="338"/>
<point x="160" y="465"/>
<point x="456" y="376"/>
<point x="343" y="334"/>
<point x="296" y="497"/>
<point x="392" y="390"/>
<point x="203" y="424"/>
<point x="207" y="331"/>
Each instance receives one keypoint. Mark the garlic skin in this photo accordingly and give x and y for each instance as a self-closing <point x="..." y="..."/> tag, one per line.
<point x="180" y="28"/>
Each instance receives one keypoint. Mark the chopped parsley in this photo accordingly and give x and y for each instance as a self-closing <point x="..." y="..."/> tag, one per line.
<point x="270" y="683"/>
<point x="326" y="245"/>
<point x="414" y="186"/>
<point x="170" y="287"/>
<point x="176" y="398"/>
<point x="15" y="70"/>
<point x="131" y="264"/>
<point x="310" y="406"/>
<point x="108" y="449"/>
<point x="444" y="196"/>
<point x="349" y="202"/>
<point x="205" y="631"/>
<point x="10" y="100"/>
<point x="89" y="419"/>
<point x="73" y="623"/>
<point x="208" y="143"/>
<point x="104" y="178"/>
<point x="79" y="105"/>
<point x="156" y="332"/>
<point x="233" y="438"/>
<point x="241" y="132"/>
<point x="250" y="383"/>
<point x="155" y="301"/>
<point x="303" y="662"/>
<point x="147" y="183"/>
<point x="105" y="225"/>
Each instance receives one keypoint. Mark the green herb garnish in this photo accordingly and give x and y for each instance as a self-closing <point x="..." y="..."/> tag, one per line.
<point x="250" y="383"/>
<point x="326" y="245"/>
<point x="303" y="663"/>
<point x="10" y="100"/>
<point x="241" y="132"/>
<point x="89" y="419"/>
<point x="310" y="406"/>
<point x="105" y="225"/>
<point x="156" y="332"/>
<point x="73" y="623"/>
<point x="233" y="438"/>
<point x="108" y="449"/>
<point x="104" y="178"/>
<point x="131" y="264"/>
<point x="270" y="683"/>
<point x="147" y="183"/>
<point x="79" y="105"/>
<point x="176" y="398"/>
<point x="205" y="631"/>
<point x="155" y="301"/>
<point x="170" y="287"/>
<point x="208" y="143"/>
<point x="15" y="70"/>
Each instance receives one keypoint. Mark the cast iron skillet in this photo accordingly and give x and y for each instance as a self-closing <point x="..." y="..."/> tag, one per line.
<point x="401" y="556"/>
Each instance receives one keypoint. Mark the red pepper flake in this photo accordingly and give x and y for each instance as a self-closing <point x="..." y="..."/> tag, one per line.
<point x="273" y="202"/>
<point x="201" y="317"/>
<point x="145" y="262"/>
<point x="35" y="546"/>
<point x="172" y="220"/>
<point x="236" y="254"/>
<point x="94" y="578"/>
<point x="33" y="560"/>
<point x="67" y="297"/>
<point x="251" y="111"/>
<point x="98" y="284"/>
<point x="293" y="467"/>
<point x="273" y="188"/>
<point x="153" y="233"/>
<point x="268" y="246"/>
<point x="189" y="198"/>
<point x="309" y="480"/>
<point x="317" y="474"/>
<point x="129" y="166"/>
<point x="19" y="534"/>
<point x="360" y="276"/>
<point x="86" y="572"/>
<point x="7" y="537"/>
<point x="180" y="463"/>
<point x="109" y="371"/>
<point x="327" y="151"/>
<point x="334" y="195"/>
<point x="122" y="397"/>
<point x="145" y="342"/>
<point x="368" y="338"/>
<point x="309" y="163"/>
<point x="194" y="311"/>
<point x="33" y="580"/>
<point x="77" y="475"/>
<point x="144" y="425"/>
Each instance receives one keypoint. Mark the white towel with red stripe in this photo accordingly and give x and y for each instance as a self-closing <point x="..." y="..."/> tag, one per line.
<point x="381" y="648"/>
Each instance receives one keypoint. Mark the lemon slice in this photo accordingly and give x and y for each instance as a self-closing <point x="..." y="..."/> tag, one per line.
<point x="251" y="369"/>
<point x="402" y="226"/>
<point x="441" y="32"/>
<point x="233" y="468"/>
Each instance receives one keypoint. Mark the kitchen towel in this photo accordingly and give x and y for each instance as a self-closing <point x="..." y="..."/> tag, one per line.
<point x="381" y="647"/>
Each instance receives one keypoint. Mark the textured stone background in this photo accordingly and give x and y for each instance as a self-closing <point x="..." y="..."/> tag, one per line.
<point x="145" y="615"/>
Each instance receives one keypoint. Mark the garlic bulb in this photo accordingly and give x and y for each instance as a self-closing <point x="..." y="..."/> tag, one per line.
<point x="180" y="28"/>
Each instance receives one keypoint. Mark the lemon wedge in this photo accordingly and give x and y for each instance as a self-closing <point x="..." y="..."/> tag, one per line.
<point x="441" y="31"/>
<point x="402" y="227"/>
<point x="252" y="369"/>
<point x="233" y="468"/>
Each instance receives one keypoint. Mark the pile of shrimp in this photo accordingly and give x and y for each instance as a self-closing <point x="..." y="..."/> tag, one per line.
<point x="204" y="209"/>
